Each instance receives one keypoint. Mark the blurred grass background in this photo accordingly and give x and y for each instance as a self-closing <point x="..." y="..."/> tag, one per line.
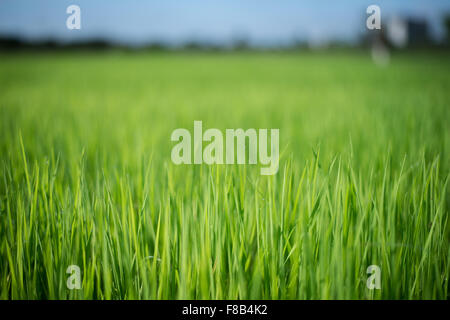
<point x="87" y="177"/>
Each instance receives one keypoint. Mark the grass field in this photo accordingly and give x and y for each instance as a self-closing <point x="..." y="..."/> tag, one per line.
<point x="87" y="178"/>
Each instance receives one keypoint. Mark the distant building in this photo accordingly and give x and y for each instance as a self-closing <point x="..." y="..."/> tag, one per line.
<point x="407" y="32"/>
<point x="397" y="32"/>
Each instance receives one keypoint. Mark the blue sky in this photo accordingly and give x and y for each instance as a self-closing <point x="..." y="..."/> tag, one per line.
<point x="262" y="22"/>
